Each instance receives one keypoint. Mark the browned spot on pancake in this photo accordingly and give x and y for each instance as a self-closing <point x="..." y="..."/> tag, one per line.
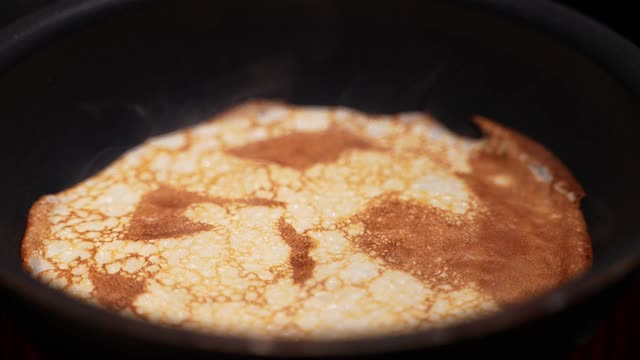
<point x="115" y="291"/>
<point x="301" y="150"/>
<point x="532" y="238"/>
<point x="160" y="214"/>
<point x="412" y="237"/>
<point x="526" y="239"/>
<point x="300" y="246"/>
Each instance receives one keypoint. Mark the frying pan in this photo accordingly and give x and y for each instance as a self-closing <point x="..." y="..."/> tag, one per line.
<point x="82" y="81"/>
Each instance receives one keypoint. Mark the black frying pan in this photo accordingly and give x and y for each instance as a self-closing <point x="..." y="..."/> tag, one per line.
<point x="83" y="81"/>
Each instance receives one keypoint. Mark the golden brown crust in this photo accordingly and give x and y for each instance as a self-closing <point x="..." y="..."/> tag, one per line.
<point x="36" y="231"/>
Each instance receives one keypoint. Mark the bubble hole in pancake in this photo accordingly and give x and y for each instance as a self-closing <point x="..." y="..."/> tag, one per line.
<point x="281" y="221"/>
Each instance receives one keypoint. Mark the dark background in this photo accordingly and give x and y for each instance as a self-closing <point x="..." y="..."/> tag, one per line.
<point x="615" y="14"/>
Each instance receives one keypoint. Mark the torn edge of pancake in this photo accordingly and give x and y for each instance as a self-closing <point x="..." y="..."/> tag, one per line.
<point x="502" y="140"/>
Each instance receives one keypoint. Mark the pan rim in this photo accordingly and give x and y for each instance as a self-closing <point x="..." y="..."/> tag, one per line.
<point x="616" y="55"/>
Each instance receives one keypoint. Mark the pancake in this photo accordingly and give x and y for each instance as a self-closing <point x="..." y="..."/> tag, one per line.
<point x="274" y="220"/>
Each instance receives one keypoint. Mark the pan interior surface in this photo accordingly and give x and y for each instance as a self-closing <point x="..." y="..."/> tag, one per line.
<point x="77" y="102"/>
